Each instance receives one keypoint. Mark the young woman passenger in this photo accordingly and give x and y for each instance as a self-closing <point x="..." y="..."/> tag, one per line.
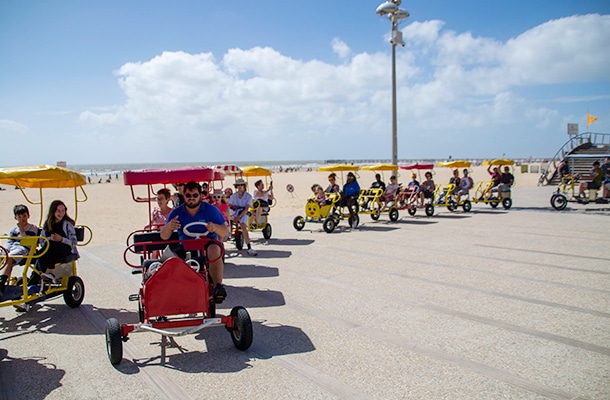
<point x="59" y="229"/>
<point x="159" y="214"/>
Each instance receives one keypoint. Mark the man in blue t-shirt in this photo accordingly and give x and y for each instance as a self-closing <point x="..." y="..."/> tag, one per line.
<point x="195" y="210"/>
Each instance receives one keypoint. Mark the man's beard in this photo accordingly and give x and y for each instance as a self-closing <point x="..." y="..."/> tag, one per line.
<point x="194" y="205"/>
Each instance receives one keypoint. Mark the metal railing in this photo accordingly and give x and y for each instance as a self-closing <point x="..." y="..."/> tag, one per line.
<point x="594" y="138"/>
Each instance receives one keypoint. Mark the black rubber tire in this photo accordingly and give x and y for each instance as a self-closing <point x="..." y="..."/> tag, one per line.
<point x="494" y="203"/>
<point x="329" y="225"/>
<point x="114" y="341"/>
<point x="75" y="293"/>
<point x="298" y="223"/>
<point x="140" y="310"/>
<point x="507" y="203"/>
<point x="239" y="240"/>
<point x="242" y="333"/>
<point x="429" y="210"/>
<point x="559" y="202"/>
<point x="393" y="214"/>
<point x="411" y="211"/>
<point x="356" y="218"/>
<point x="211" y="309"/>
<point x="267" y="231"/>
<point x="467" y="206"/>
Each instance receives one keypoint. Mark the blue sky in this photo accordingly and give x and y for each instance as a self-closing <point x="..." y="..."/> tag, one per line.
<point x="201" y="81"/>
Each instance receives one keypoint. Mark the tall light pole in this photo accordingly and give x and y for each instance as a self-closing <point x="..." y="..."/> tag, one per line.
<point x="390" y="10"/>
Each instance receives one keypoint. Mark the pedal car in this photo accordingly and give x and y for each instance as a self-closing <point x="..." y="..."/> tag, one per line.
<point x="407" y="199"/>
<point x="23" y="292"/>
<point x="340" y="212"/>
<point x="487" y="194"/>
<point x="371" y="200"/>
<point x="446" y="196"/>
<point x="314" y="212"/>
<point x="262" y="224"/>
<point x="565" y="193"/>
<point x="175" y="297"/>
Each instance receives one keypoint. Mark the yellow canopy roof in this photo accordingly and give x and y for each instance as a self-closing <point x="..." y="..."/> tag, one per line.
<point x="255" y="170"/>
<point x="338" y="167"/>
<point x="501" y="161"/>
<point x="41" y="176"/>
<point x="455" y="164"/>
<point x="381" y="167"/>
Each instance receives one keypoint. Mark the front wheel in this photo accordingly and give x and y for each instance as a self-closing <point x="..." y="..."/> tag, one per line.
<point x="393" y="214"/>
<point x="411" y="211"/>
<point x="429" y="210"/>
<point x="467" y="206"/>
<point x="559" y="202"/>
<point x="494" y="203"/>
<point x="114" y="342"/>
<point x="75" y="293"/>
<point x="241" y="334"/>
<point x="354" y="221"/>
<point x="507" y="203"/>
<point x="329" y="225"/>
<point x="298" y="223"/>
<point x="267" y="231"/>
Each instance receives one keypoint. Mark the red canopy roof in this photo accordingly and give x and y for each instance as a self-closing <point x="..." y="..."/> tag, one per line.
<point x="165" y="176"/>
<point x="417" y="166"/>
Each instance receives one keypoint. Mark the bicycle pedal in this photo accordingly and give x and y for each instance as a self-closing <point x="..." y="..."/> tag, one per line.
<point x="134" y="297"/>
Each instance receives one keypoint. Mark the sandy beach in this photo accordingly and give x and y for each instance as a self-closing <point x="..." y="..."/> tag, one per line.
<point x="112" y="213"/>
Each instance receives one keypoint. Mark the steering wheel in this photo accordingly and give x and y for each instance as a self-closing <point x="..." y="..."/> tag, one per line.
<point x="197" y="235"/>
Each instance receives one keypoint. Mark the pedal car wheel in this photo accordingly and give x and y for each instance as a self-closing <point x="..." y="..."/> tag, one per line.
<point x="411" y="211"/>
<point x="559" y="202"/>
<point x="211" y="309"/>
<point x="429" y="210"/>
<point x="241" y="334"/>
<point x="267" y="231"/>
<point x="114" y="342"/>
<point x="393" y="215"/>
<point x="75" y="293"/>
<point x="298" y="223"/>
<point x="239" y="240"/>
<point x="494" y="203"/>
<point x="507" y="203"/>
<point x="140" y="311"/>
<point x="375" y="215"/>
<point x="467" y="206"/>
<point x="329" y="225"/>
<point x="355" y="220"/>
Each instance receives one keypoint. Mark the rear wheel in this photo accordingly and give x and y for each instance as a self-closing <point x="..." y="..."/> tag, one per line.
<point x="239" y="240"/>
<point x="559" y="202"/>
<point x="429" y="210"/>
<point x="241" y="334"/>
<point x="376" y="212"/>
<point x="267" y="231"/>
<point x="114" y="342"/>
<point x="75" y="293"/>
<point x="329" y="225"/>
<point x="298" y="223"/>
<point x="507" y="203"/>
<point x="393" y="214"/>
<point x="467" y="206"/>
<point x="494" y="203"/>
<point x="354" y="221"/>
<point x="411" y="211"/>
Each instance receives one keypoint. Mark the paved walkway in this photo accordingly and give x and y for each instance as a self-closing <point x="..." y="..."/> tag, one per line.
<point x="483" y="305"/>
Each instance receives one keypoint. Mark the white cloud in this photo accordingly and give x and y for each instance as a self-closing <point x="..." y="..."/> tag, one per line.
<point x="341" y="48"/>
<point x="449" y="84"/>
<point x="9" y="126"/>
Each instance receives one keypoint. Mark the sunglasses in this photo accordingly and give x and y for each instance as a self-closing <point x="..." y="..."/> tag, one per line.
<point x="191" y="196"/>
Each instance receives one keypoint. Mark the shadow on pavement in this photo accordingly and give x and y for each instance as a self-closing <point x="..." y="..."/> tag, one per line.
<point x="27" y="378"/>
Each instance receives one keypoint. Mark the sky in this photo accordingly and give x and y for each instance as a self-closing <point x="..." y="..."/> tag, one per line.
<point x="117" y="81"/>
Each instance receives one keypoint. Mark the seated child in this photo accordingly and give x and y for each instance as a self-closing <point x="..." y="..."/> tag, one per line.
<point x="59" y="229"/>
<point x="321" y="198"/>
<point x="13" y="246"/>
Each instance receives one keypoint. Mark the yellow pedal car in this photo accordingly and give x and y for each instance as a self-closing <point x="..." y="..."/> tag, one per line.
<point x="446" y="196"/>
<point x="317" y="213"/>
<point x="23" y="292"/>
<point x="487" y="193"/>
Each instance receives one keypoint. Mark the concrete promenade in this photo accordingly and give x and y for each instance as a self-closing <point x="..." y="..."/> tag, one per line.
<point x="490" y="304"/>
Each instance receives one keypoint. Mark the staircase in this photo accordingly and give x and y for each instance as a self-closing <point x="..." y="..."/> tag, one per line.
<point x="580" y="151"/>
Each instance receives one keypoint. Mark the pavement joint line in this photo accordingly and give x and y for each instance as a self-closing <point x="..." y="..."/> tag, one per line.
<point x="320" y="379"/>
<point x="474" y="289"/>
<point x="459" y="314"/>
<point x="512" y="249"/>
<point x="155" y="377"/>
